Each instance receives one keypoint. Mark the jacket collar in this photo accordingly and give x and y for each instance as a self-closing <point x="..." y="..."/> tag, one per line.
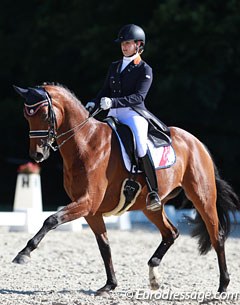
<point x="137" y="60"/>
<point x="131" y="66"/>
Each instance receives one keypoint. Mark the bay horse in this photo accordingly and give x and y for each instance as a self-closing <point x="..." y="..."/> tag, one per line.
<point x="94" y="171"/>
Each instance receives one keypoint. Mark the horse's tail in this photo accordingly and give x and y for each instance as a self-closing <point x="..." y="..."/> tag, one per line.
<point x="227" y="203"/>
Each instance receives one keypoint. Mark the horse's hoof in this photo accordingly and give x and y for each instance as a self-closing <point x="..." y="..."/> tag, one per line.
<point x="154" y="277"/>
<point x="154" y="286"/>
<point x="21" y="259"/>
<point x="223" y="286"/>
<point x="222" y="289"/>
<point x="105" y="290"/>
<point x="102" y="293"/>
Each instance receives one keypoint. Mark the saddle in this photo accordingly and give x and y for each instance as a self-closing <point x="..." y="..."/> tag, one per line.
<point x="126" y="137"/>
<point x="164" y="156"/>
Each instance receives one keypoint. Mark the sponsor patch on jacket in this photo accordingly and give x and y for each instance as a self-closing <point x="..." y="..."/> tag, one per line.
<point x="147" y="76"/>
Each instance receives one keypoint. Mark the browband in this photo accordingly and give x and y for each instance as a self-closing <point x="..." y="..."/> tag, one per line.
<point x="33" y="109"/>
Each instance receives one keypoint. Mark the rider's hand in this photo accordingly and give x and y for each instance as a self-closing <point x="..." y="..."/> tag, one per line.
<point x="105" y="103"/>
<point x="90" y="106"/>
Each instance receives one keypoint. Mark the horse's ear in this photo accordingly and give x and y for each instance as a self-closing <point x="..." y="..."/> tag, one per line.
<point x="31" y="95"/>
<point x="21" y="91"/>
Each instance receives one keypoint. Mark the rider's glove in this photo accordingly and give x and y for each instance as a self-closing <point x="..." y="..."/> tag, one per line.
<point x="105" y="103"/>
<point x="90" y="106"/>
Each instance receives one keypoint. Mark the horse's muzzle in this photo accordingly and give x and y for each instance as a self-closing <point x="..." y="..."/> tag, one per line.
<point x="40" y="154"/>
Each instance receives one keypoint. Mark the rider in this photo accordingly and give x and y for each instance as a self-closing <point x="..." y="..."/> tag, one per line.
<point x="126" y="86"/>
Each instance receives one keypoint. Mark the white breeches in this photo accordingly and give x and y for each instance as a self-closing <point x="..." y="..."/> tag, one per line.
<point x="137" y="123"/>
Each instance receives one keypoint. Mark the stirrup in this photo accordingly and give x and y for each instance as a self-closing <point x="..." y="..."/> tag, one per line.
<point x="153" y="202"/>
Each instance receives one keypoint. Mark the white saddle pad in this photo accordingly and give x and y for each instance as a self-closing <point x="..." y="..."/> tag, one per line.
<point x="163" y="157"/>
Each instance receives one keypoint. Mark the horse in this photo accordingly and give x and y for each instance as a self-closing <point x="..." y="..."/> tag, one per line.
<point x="93" y="174"/>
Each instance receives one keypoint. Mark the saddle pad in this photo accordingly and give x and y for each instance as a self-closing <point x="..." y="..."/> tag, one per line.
<point x="163" y="157"/>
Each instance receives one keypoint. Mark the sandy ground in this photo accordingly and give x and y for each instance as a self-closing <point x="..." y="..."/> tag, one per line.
<point x="67" y="269"/>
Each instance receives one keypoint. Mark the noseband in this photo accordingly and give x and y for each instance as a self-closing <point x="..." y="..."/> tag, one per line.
<point x="50" y="134"/>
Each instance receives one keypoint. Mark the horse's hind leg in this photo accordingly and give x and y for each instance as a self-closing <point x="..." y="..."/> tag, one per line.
<point x="224" y="275"/>
<point x="169" y="234"/>
<point x="217" y="238"/>
<point x="213" y="235"/>
<point x="208" y="223"/>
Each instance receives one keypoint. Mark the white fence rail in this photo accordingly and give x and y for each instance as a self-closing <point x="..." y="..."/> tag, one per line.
<point x="31" y="221"/>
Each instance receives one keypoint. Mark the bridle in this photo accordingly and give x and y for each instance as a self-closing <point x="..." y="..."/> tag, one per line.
<point x="50" y="135"/>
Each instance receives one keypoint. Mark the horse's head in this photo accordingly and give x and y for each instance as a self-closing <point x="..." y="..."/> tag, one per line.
<point x="38" y="111"/>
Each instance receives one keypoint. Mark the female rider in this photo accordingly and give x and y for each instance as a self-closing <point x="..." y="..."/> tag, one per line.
<point x="126" y="86"/>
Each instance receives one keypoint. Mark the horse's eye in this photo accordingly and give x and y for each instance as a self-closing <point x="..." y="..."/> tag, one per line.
<point x="44" y="116"/>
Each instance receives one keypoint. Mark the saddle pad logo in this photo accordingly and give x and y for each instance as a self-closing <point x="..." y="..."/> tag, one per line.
<point x="163" y="157"/>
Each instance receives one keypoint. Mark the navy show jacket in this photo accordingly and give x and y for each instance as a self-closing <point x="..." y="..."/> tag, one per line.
<point x="129" y="87"/>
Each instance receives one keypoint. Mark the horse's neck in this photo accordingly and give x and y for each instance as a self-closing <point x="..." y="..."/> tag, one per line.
<point x="74" y="115"/>
<point x="85" y="139"/>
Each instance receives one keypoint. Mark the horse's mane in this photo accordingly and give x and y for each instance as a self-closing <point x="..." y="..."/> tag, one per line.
<point x="66" y="91"/>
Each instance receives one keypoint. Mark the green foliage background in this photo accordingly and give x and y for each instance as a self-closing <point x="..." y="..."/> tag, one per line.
<point x="192" y="46"/>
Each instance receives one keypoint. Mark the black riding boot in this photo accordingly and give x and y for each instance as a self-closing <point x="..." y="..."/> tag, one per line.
<point x="153" y="200"/>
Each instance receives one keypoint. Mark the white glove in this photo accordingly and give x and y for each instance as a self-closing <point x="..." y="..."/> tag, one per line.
<point x="90" y="106"/>
<point x="105" y="103"/>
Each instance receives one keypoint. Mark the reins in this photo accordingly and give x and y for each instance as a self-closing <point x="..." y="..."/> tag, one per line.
<point x="77" y="127"/>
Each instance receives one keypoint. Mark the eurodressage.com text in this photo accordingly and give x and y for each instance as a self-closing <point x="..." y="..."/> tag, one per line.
<point x="141" y="294"/>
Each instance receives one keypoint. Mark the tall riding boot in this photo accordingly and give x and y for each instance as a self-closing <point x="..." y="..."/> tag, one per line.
<point x="153" y="200"/>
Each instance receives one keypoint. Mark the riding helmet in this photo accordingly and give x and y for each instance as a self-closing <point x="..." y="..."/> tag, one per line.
<point x="131" y="32"/>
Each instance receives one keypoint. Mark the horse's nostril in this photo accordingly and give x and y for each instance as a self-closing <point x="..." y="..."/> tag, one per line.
<point x="37" y="156"/>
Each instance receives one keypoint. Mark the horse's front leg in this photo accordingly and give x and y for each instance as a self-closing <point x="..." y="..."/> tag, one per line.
<point x="50" y="223"/>
<point x="24" y="255"/>
<point x="98" y="227"/>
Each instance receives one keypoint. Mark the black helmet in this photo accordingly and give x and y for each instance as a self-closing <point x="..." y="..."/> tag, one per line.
<point x="131" y="32"/>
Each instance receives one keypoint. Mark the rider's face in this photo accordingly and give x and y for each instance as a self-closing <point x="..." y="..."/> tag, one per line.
<point x="129" y="47"/>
